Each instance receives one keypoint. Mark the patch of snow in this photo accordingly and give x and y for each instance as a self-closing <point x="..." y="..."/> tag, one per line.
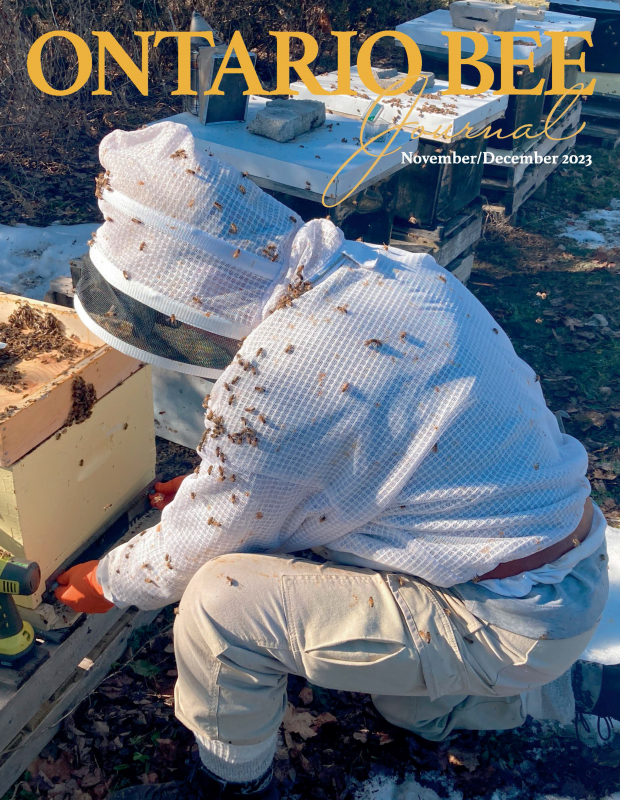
<point x="607" y="236"/>
<point x="604" y="647"/>
<point x="30" y="257"/>
<point x="387" y="787"/>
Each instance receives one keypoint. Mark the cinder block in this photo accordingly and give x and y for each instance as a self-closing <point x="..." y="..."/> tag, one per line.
<point x="481" y="16"/>
<point x="283" y="120"/>
<point x="531" y="13"/>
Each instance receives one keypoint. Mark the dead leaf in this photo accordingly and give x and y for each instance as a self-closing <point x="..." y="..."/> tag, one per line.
<point x="323" y="719"/>
<point x="361" y="736"/>
<point x="299" y="722"/>
<point x="306" y="695"/>
<point x="462" y="758"/>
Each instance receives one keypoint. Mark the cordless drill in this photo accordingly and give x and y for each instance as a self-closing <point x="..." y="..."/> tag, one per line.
<point x="17" y="576"/>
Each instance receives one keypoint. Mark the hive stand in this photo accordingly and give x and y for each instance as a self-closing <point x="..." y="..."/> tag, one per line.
<point x="35" y="700"/>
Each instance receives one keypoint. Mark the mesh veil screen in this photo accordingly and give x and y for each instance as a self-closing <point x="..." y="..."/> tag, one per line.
<point x="142" y="328"/>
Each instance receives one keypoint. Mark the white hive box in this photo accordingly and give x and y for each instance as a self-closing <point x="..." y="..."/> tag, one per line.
<point x="61" y="485"/>
<point x="303" y="166"/>
<point x="433" y="111"/>
<point x="525" y="109"/>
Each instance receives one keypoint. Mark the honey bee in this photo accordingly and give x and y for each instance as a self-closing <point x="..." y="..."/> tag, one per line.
<point x="230" y="581"/>
<point x="442" y="278"/>
<point x="434" y="448"/>
<point x="343" y="309"/>
<point x="244" y="174"/>
<point x="293" y="219"/>
<point x="289" y="348"/>
<point x="495" y="331"/>
<point x="234" y="380"/>
<point x="233" y="477"/>
<point x="191" y="203"/>
<point x="109" y="219"/>
<point x="233" y="498"/>
<point x="249" y="409"/>
<point x="260" y="389"/>
<point x="373" y="343"/>
<point x="322" y="518"/>
<point x="218" y="206"/>
<point x="140" y="183"/>
<point x="233" y="228"/>
<point x="192" y="495"/>
<point x="259" y="515"/>
<point x="137" y="221"/>
<point x="231" y="399"/>
<point x="221" y="470"/>
<point x="180" y="153"/>
<point x="401" y="581"/>
<point x="343" y="140"/>
<point x="344" y="387"/>
<point x="125" y="275"/>
<point x="308" y="185"/>
<point x="213" y="521"/>
<point x="237" y="253"/>
<point x="371" y="602"/>
<point x="259" y="352"/>
<point x="385" y="247"/>
<point x="262" y="418"/>
<point x="317" y="156"/>
<point x="242" y="189"/>
<point x="190" y="171"/>
<point x="402" y="335"/>
<point x="142" y="246"/>
<point x="197" y="300"/>
<point x="426" y="636"/>
<point x="173" y="319"/>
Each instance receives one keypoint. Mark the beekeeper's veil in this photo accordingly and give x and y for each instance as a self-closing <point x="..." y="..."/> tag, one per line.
<point x="188" y="255"/>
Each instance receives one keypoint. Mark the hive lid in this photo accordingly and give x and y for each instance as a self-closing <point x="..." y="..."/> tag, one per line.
<point x="451" y="113"/>
<point x="427" y="33"/>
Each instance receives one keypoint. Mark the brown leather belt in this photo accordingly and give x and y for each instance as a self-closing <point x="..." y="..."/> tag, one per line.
<point x="549" y="554"/>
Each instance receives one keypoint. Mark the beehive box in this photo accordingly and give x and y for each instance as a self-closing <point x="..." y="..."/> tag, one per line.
<point x="61" y="484"/>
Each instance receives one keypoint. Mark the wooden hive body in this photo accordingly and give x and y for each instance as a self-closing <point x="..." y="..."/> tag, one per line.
<point x="61" y="485"/>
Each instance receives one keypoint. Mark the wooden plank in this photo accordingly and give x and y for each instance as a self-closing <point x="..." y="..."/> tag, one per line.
<point x="18" y="706"/>
<point x="450" y="248"/>
<point x="75" y="483"/>
<point x="43" y="724"/>
<point x="508" y="175"/>
<point x="42" y="410"/>
<point x="511" y="200"/>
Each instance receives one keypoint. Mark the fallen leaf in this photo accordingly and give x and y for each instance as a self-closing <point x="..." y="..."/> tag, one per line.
<point x="306" y="695"/>
<point x="361" y="736"/>
<point x="462" y="758"/>
<point x="299" y="722"/>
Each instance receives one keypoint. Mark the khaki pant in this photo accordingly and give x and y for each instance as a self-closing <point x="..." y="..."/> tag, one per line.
<point x="246" y="621"/>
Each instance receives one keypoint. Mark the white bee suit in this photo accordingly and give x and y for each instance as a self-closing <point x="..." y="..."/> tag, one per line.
<point x="375" y="411"/>
<point x="390" y="420"/>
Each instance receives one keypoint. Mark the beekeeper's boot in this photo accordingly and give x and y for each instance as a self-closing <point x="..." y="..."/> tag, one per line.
<point x="203" y="785"/>
<point x="597" y="692"/>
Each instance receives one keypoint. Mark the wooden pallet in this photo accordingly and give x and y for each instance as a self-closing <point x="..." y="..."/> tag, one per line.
<point x="67" y="666"/>
<point x="448" y="241"/>
<point x="508" y="176"/>
<point x="508" y="201"/>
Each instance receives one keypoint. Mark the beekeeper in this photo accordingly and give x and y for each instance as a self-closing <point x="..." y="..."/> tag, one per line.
<point x="366" y="406"/>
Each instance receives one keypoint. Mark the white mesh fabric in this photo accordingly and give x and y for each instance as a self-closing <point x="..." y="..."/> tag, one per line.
<point x="186" y="233"/>
<point x="430" y="451"/>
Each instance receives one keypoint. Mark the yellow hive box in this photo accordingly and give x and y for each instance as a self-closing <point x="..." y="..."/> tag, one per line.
<point x="72" y="480"/>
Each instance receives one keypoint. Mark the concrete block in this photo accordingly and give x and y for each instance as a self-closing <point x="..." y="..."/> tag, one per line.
<point x="283" y="120"/>
<point x="481" y="16"/>
<point x="531" y="13"/>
